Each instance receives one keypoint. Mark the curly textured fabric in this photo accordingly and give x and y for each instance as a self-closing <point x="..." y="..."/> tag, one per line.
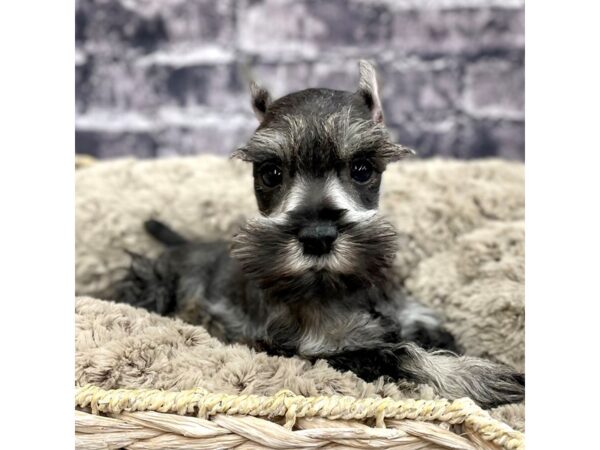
<point x="462" y="251"/>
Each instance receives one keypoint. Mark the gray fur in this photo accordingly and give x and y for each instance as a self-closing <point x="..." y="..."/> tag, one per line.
<point x="261" y="99"/>
<point x="369" y="88"/>
<point x="464" y="376"/>
<point x="347" y="133"/>
<point x="287" y="285"/>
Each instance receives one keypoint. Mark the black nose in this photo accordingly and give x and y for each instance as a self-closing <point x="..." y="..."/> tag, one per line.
<point x="317" y="239"/>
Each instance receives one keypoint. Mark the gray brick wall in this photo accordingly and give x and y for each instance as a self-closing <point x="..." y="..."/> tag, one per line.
<point x="164" y="77"/>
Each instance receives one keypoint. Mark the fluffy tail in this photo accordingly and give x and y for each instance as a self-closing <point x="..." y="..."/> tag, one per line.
<point x="163" y="233"/>
<point x="149" y="283"/>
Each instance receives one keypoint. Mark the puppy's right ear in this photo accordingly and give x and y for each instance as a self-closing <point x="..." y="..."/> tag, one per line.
<point x="368" y="88"/>
<point x="261" y="99"/>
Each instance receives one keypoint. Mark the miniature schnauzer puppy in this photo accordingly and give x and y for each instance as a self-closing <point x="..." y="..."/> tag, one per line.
<point x="310" y="276"/>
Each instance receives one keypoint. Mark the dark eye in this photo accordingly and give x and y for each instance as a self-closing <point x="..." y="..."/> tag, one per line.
<point x="361" y="170"/>
<point x="270" y="174"/>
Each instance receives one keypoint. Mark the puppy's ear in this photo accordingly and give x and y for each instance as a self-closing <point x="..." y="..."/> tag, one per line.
<point x="261" y="99"/>
<point x="369" y="89"/>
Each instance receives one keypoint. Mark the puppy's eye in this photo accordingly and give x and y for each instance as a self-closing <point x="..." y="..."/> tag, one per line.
<point x="271" y="175"/>
<point x="361" y="170"/>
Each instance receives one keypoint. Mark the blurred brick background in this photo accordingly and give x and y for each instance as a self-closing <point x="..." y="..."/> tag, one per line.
<point x="164" y="77"/>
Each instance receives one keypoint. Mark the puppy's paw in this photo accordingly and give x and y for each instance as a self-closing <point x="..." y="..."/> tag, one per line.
<point x="499" y="385"/>
<point x="487" y="383"/>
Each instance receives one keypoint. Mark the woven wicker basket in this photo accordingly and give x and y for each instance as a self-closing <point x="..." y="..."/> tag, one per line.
<point x="154" y="419"/>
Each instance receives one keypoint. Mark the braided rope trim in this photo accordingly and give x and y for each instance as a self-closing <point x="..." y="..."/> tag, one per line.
<point x="286" y="404"/>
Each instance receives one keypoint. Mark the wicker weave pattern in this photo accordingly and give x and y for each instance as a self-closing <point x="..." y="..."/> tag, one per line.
<point x="152" y="419"/>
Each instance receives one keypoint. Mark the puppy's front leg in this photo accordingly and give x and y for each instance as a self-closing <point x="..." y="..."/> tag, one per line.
<point x="488" y="384"/>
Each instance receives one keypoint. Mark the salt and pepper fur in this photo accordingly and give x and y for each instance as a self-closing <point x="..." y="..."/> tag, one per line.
<point x="263" y="290"/>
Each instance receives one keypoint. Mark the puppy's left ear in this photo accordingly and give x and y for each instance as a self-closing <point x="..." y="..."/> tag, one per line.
<point x="261" y="99"/>
<point x="369" y="89"/>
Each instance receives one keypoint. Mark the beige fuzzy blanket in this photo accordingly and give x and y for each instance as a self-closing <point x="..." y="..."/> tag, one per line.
<point x="462" y="234"/>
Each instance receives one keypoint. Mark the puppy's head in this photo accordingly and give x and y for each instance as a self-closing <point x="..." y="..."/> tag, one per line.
<point x="318" y="156"/>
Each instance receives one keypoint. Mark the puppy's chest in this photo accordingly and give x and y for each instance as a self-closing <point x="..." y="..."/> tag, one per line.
<point x="314" y="331"/>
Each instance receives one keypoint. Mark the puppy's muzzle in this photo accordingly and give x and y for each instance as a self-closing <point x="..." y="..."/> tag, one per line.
<point x="318" y="237"/>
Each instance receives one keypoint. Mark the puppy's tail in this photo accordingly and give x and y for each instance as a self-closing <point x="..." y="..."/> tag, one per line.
<point x="163" y="233"/>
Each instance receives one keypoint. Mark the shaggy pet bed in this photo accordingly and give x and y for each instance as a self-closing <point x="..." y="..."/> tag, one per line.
<point x="461" y="230"/>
